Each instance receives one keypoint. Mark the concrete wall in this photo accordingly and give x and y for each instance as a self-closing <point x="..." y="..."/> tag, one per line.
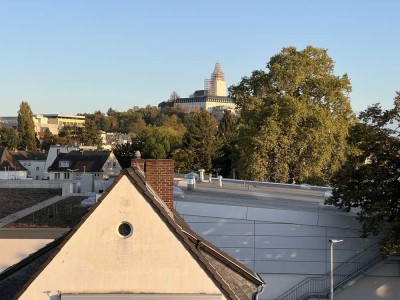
<point x="283" y="245"/>
<point x="13" y="175"/>
<point x="381" y="283"/>
<point x="35" y="184"/>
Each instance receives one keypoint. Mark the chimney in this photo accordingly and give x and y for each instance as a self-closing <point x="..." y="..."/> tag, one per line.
<point x="159" y="174"/>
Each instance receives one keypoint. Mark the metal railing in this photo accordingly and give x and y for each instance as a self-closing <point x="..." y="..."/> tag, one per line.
<point x="319" y="287"/>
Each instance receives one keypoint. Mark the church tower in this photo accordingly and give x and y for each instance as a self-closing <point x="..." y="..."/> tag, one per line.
<point x="217" y="82"/>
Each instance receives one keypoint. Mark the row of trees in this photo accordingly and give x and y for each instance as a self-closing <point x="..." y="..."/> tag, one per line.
<point x="25" y="137"/>
<point x="295" y="125"/>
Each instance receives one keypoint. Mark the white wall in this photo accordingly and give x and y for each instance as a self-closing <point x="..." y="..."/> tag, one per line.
<point x="13" y="175"/>
<point x="35" y="168"/>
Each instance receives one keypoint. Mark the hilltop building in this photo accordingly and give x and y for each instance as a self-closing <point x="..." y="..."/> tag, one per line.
<point x="212" y="97"/>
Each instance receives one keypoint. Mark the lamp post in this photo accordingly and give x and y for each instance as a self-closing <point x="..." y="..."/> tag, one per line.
<point x="331" y="242"/>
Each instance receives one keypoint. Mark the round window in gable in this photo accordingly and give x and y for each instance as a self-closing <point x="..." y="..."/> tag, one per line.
<point x="125" y="229"/>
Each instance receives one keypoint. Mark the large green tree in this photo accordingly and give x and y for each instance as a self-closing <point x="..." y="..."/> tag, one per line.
<point x="370" y="179"/>
<point x="294" y="118"/>
<point x="91" y="134"/>
<point x="8" y="138"/>
<point x="48" y="140"/>
<point x="157" y="142"/>
<point x="26" y="127"/>
<point x="200" y="140"/>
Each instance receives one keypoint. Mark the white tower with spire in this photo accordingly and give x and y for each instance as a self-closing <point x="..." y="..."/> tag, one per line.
<point x="217" y="82"/>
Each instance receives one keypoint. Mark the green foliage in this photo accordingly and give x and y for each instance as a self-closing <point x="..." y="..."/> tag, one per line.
<point x="48" y="140"/>
<point x="124" y="154"/>
<point x="370" y="179"/>
<point x="91" y="134"/>
<point x="294" y="118"/>
<point x="157" y="142"/>
<point x="183" y="159"/>
<point x="69" y="135"/>
<point x="200" y="140"/>
<point x="227" y="137"/>
<point x="26" y="127"/>
<point x="8" y="138"/>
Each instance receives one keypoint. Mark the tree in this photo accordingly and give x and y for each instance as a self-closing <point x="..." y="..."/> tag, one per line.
<point x="370" y="179"/>
<point x="91" y="134"/>
<point x="26" y="127"/>
<point x="124" y="154"/>
<point x="8" y="138"/>
<point x="69" y="135"/>
<point x="157" y="142"/>
<point x="294" y="118"/>
<point x="200" y="139"/>
<point x="48" y="140"/>
<point x="226" y="134"/>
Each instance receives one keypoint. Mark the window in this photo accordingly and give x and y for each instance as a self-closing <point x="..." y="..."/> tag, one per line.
<point x="63" y="164"/>
<point x="66" y="175"/>
<point x="37" y="177"/>
<point x="125" y="229"/>
<point x="37" y="168"/>
<point x="56" y="175"/>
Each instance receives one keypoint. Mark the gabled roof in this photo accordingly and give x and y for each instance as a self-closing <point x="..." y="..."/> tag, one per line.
<point x="8" y="161"/>
<point x="233" y="279"/>
<point x="93" y="161"/>
<point x="29" y="155"/>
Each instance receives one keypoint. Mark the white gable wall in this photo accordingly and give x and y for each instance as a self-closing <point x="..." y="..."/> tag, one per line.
<point x="97" y="260"/>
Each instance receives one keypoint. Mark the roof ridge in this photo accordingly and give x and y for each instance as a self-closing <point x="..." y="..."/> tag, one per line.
<point x="138" y="180"/>
<point x="177" y="230"/>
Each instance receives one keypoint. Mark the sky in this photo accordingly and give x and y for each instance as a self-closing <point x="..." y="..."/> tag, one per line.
<point x="77" y="56"/>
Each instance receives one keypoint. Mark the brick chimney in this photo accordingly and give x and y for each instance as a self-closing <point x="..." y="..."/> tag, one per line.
<point x="159" y="173"/>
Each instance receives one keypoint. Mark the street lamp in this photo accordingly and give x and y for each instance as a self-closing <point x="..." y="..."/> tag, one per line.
<point x="331" y="242"/>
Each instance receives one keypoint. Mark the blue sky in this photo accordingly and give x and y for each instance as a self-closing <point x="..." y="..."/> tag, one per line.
<point x="80" y="56"/>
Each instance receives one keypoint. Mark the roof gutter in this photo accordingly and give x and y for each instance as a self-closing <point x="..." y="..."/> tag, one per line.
<point x="260" y="288"/>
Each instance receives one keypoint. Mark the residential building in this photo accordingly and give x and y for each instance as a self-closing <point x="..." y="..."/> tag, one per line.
<point x="131" y="245"/>
<point x="33" y="161"/>
<point x="52" y="154"/>
<point x="71" y="165"/>
<point x="10" y="167"/>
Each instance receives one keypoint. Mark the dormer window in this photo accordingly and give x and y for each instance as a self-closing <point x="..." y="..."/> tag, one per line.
<point x="63" y="164"/>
